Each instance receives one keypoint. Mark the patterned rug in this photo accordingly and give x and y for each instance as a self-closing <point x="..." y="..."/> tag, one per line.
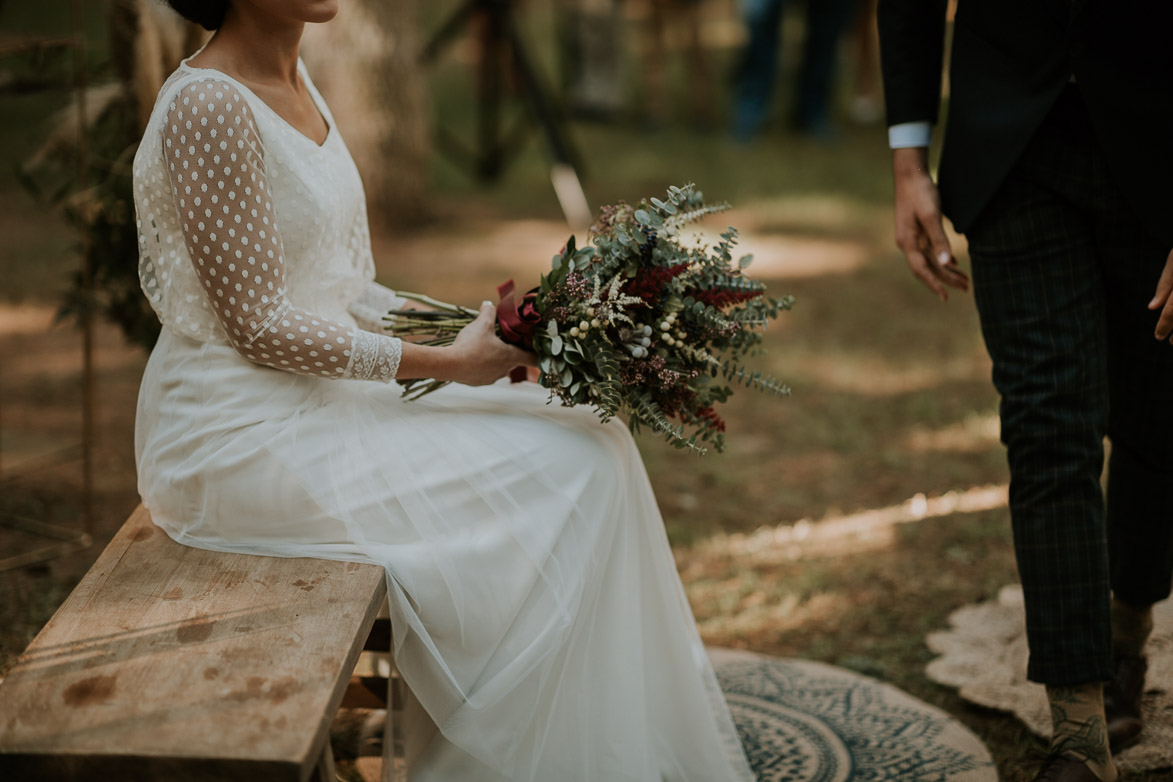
<point x="984" y="656"/>
<point x="803" y="721"/>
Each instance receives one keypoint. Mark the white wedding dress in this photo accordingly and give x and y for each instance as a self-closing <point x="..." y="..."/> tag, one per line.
<point x="537" y="613"/>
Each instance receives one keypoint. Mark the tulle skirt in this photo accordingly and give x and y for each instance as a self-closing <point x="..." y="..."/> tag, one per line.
<point x="537" y="613"/>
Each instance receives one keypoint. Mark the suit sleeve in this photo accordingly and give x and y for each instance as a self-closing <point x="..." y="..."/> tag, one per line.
<point x="912" y="51"/>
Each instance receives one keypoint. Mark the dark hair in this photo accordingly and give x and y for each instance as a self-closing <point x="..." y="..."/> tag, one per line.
<point x="208" y="14"/>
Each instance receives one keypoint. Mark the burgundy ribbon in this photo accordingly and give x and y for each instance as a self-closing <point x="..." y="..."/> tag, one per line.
<point x="517" y="321"/>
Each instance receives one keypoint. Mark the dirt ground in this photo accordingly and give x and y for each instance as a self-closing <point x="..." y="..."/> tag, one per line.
<point x="811" y="537"/>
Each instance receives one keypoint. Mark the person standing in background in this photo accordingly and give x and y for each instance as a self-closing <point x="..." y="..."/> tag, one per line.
<point x="686" y="17"/>
<point x="825" y="22"/>
<point x="867" y="100"/>
<point x="1056" y="166"/>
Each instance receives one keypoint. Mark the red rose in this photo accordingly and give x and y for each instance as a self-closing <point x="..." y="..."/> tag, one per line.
<point x="517" y="319"/>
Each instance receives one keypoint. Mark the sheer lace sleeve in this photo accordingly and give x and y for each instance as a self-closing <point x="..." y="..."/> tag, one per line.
<point x="215" y="161"/>
<point x="371" y="307"/>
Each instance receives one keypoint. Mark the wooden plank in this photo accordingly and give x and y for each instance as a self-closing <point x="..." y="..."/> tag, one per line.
<point x="170" y="662"/>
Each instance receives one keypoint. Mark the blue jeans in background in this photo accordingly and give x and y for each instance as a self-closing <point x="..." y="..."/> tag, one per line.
<point x="826" y="21"/>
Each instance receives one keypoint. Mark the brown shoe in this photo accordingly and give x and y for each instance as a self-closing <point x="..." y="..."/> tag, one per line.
<point x="1122" y="701"/>
<point x="1063" y="768"/>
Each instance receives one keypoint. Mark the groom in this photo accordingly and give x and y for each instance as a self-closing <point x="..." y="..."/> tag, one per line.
<point x="1058" y="168"/>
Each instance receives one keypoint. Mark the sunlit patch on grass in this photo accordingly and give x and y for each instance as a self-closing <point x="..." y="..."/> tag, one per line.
<point x="878" y="375"/>
<point x="836" y="535"/>
<point x="759" y="610"/>
<point x="816" y="212"/>
<point x="976" y="433"/>
<point x="777" y="256"/>
<point x="20" y="319"/>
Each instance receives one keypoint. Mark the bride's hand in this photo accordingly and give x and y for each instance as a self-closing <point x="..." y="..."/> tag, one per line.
<point x="484" y="358"/>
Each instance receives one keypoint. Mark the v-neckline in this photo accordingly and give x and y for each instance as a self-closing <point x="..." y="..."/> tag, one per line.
<point x="313" y="98"/>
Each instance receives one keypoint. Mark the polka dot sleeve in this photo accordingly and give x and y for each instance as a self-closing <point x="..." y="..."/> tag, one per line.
<point x="216" y="166"/>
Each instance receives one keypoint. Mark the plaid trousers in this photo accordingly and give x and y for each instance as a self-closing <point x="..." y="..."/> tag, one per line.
<point x="1062" y="275"/>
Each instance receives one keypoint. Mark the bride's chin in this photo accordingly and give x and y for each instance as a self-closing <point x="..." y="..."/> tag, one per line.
<point x="308" y="11"/>
<point x="316" y="11"/>
<point x="319" y="11"/>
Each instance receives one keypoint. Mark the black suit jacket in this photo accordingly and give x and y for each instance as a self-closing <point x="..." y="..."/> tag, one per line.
<point x="1010" y="60"/>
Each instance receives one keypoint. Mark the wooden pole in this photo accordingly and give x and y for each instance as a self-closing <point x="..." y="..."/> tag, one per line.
<point x="87" y="277"/>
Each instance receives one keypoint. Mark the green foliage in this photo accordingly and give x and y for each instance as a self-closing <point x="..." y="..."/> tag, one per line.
<point x="703" y="315"/>
<point x="103" y="215"/>
<point x="607" y="390"/>
<point x="752" y="379"/>
<point x="645" y="411"/>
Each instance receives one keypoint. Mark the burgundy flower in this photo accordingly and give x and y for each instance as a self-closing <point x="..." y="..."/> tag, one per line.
<point x="710" y="415"/>
<point x="649" y="282"/>
<point x="517" y="319"/>
<point x="723" y="298"/>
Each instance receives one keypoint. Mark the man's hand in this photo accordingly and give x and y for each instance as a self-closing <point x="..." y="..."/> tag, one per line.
<point x="919" y="232"/>
<point x="1164" y="302"/>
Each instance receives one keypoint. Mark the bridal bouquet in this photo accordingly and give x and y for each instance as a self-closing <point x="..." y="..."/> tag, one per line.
<point x="636" y="323"/>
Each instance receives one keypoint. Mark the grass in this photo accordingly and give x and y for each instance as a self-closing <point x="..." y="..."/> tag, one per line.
<point x="891" y="395"/>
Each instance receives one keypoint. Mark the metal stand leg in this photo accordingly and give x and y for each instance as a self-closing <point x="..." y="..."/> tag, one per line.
<point x="503" y="55"/>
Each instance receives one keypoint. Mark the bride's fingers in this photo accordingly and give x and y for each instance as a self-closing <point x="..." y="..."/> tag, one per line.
<point x="483" y="333"/>
<point x="482" y="326"/>
<point x="487" y="316"/>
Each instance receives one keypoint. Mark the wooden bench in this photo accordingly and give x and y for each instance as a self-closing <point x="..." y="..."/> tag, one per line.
<point x="173" y="663"/>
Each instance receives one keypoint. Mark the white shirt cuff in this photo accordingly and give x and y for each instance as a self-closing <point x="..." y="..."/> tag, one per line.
<point x="910" y="134"/>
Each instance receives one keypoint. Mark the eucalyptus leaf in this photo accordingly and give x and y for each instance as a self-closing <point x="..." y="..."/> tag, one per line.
<point x="556" y="345"/>
<point x="669" y="208"/>
<point x="745" y="261"/>
<point x="642" y="217"/>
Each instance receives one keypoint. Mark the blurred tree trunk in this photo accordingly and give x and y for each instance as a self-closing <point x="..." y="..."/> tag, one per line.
<point x="147" y="41"/>
<point x="366" y="63"/>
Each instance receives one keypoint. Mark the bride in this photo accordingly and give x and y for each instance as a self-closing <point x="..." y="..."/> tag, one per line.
<point x="537" y="613"/>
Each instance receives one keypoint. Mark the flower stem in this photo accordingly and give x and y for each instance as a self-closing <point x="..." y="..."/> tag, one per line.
<point x="455" y="309"/>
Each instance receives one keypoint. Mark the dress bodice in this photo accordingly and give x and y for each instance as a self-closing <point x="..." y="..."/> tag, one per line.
<point x="317" y="196"/>
<point x="254" y="235"/>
